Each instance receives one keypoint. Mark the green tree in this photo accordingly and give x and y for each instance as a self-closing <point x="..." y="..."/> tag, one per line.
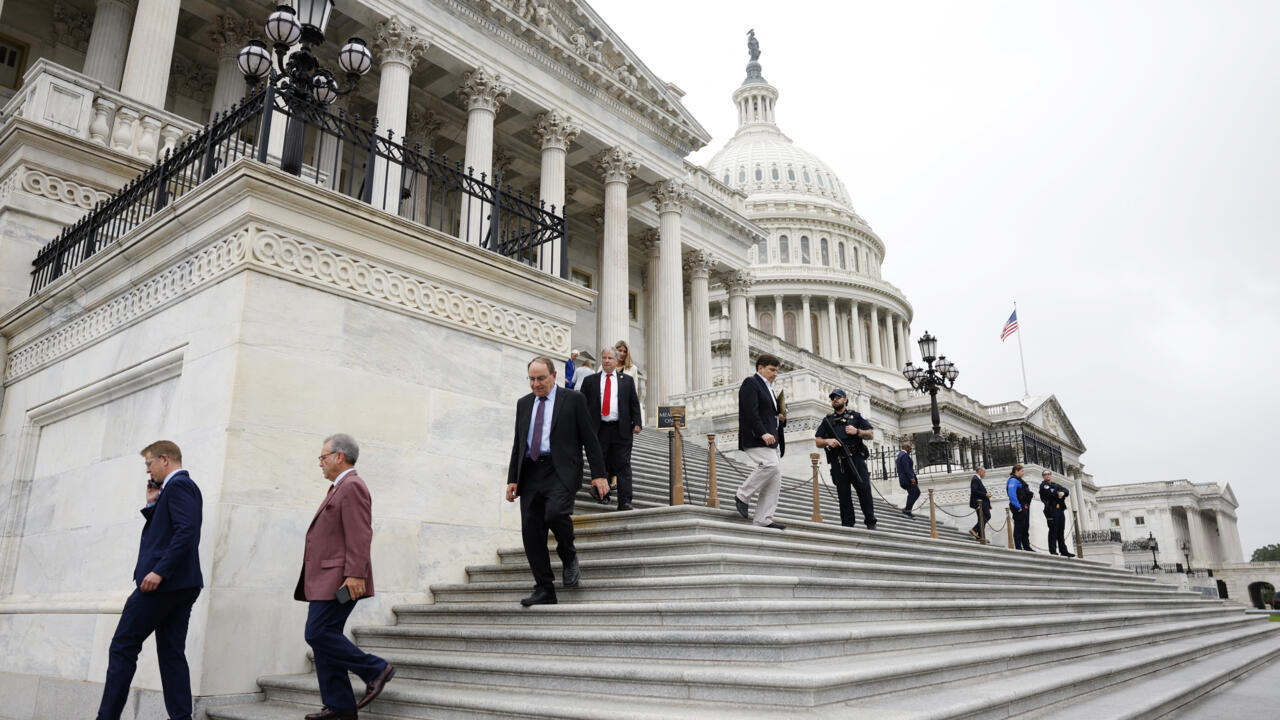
<point x="1266" y="553"/>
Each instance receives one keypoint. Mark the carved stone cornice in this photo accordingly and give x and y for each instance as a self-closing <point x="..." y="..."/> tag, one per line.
<point x="616" y="165"/>
<point x="483" y="90"/>
<point x="698" y="263"/>
<point x="670" y="196"/>
<point x="397" y="42"/>
<point x="555" y="130"/>
<point x="229" y="34"/>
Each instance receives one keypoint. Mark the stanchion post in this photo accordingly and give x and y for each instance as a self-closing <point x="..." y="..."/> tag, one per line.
<point x="1075" y="520"/>
<point x="713" y="494"/>
<point x="817" y="509"/>
<point x="1008" y="526"/>
<point x="677" y="466"/>
<point x="933" y="516"/>
<point x="982" y="525"/>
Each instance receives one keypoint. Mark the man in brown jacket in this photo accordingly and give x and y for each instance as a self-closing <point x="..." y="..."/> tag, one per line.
<point x="336" y="572"/>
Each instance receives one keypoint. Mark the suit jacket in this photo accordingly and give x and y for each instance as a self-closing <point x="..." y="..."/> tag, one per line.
<point x="628" y="401"/>
<point x="170" y="544"/>
<point x="571" y="434"/>
<point x="757" y="414"/>
<point x="978" y="493"/>
<point x="906" y="469"/>
<point x="338" y="540"/>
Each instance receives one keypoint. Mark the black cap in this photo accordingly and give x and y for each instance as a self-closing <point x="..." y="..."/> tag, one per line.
<point x="837" y="393"/>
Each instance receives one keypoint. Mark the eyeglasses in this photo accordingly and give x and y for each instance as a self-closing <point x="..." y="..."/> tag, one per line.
<point x="325" y="455"/>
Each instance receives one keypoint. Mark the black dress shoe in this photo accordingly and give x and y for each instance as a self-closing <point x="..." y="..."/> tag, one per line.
<point x="776" y="526"/>
<point x="1068" y="554"/>
<point x="571" y="573"/>
<point x="742" y="507"/>
<point x="871" y="526"/>
<point x="625" y="506"/>
<point x="908" y="514"/>
<point x="540" y="596"/>
<point x="375" y="686"/>
<point x="330" y="714"/>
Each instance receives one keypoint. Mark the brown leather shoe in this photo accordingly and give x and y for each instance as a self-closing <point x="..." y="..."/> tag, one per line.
<point x="374" y="688"/>
<point x="329" y="714"/>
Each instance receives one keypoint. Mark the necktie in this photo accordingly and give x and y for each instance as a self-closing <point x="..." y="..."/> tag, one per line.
<point x="608" y="390"/>
<point x="536" y="447"/>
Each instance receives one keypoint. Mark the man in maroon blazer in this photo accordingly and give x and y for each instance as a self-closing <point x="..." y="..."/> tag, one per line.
<point x="336" y="559"/>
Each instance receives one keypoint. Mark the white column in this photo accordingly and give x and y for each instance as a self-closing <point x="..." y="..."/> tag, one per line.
<point x="833" y="346"/>
<point x="698" y="264"/>
<point x="855" y="333"/>
<point x="617" y="165"/>
<point x="805" y="327"/>
<point x="109" y="42"/>
<point x="554" y="130"/>
<point x="752" y="316"/>
<point x="483" y="93"/>
<point x="670" y="197"/>
<point x="876" y="358"/>
<point x="649" y="245"/>
<point x="891" y="338"/>
<point x="1195" y="534"/>
<point x="904" y="344"/>
<point x="146" y="70"/>
<point x="738" y="283"/>
<point x="228" y="35"/>
<point x="779" y="327"/>
<point x="399" y="47"/>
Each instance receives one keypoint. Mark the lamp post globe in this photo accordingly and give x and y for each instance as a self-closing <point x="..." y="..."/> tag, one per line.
<point x="938" y="373"/>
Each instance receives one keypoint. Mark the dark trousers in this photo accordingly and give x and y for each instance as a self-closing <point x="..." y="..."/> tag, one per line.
<point x="166" y="614"/>
<point x="1021" y="528"/>
<point x="913" y="494"/>
<point x="615" y="442"/>
<point x="848" y="480"/>
<point x="1057" y="522"/>
<point x="986" y="517"/>
<point x="545" y="504"/>
<point x="335" y="655"/>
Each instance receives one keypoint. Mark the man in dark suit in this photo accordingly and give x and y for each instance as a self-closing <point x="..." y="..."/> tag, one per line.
<point x="907" y="478"/>
<point x="553" y="428"/>
<point x="615" y="418"/>
<point x="168" y="581"/>
<point x="758" y="437"/>
<point x="979" y="497"/>
<point x="336" y="563"/>
<point x="1054" y="497"/>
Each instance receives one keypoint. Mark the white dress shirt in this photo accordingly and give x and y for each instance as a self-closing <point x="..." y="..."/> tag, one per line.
<point x="344" y="474"/>
<point x="613" y="396"/>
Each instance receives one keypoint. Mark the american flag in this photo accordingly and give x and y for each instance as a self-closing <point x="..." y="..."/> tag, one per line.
<point x="1010" y="327"/>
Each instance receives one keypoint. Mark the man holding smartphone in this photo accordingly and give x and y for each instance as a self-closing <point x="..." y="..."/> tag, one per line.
<point x="336" y="572"/>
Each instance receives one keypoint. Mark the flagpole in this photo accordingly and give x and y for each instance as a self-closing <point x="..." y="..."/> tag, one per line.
<point x="1025" y="392"/>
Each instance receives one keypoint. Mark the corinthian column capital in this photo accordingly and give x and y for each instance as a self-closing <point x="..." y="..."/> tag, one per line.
<point x="399" y="43"/>
<point x="698" y="263"/>
<point x="670" y="196"/>
<point x="738" y="282"/>
<point x="650" y="242"/>
<point x="554" y="129"/>
<point x="483" y="90"/>
<point x="229" y="34"/>
<point x="617" y="165"/>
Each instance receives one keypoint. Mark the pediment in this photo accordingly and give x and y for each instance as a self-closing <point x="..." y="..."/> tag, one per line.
<point x="573" y="33"/>
<point x="1048" y="415"/>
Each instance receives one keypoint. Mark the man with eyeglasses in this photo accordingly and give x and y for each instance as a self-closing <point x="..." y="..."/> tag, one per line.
<point x="553" y="428"/>
<point x="336" y="573"/>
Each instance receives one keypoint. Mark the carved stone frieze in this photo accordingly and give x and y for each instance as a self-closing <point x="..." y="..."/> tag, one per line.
<point x="616" y="165"/>
<point x="670" y="196"/>
<point x="38" y="182"/>
<point x="483" y="90"/>
<point x="399" y="42"/>
<point x="554" y="129"/>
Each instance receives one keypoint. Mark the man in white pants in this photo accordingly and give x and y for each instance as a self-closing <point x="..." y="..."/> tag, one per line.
<point x="759" y="437"/>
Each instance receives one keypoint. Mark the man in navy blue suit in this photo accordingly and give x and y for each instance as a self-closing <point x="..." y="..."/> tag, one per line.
<point x="168" y="582"/>
<point x="907" y="478"/>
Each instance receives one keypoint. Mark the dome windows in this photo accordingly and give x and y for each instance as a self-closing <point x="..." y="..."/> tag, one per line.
<point x="806" y="176"/>
<point x="759" y="174"/>
<point x="762" y="250"/>
<point x="843" y="259"/>
<point x="791" y="174"/>
<point x="726" y="177"/>
<point x="784" y="249"/>
<point x="773" y="172"/>
<point x="825" y="253"/>
<point x="804" y="250"/>
<point x="820" y="180"/>
<point x="742" y="175"/>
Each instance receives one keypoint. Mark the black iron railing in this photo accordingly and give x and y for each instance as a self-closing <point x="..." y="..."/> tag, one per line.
<point x="1100" y="536"/>
<point x="963" y="453"/>
<point x="348" y="156"/>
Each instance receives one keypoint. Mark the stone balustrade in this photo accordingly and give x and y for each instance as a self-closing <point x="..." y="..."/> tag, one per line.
<point x="70" y="102"/>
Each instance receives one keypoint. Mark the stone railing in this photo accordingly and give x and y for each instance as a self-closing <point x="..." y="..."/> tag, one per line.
<point x="66" y="101"/>
<point x="701" y="179"/>
<point x="723" y="401"/>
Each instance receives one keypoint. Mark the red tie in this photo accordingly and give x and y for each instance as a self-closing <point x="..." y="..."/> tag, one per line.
<point x="608" y="390"/>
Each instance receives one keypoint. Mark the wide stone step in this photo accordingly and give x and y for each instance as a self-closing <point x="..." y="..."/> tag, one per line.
<point x="737" y="642"/>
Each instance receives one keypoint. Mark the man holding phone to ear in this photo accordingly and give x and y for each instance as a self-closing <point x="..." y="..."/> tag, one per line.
<point x="336" y="572"/>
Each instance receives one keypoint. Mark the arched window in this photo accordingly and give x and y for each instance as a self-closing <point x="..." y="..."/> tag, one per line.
<point x="820" y="180"/>
<point x="856" y="263"/>
<point x="791" y="174"/>
<point x="784" y="249"/>
<point x="766" y="323"/>
<point x="813" y="330"/>
<point x="843" y="258"/>
<point x="762" y="250"/>
<point x="826" y="254"/>
<point x="789" y="327"/>
<point x="759" y="173"/>
<point x="726" y="177"/>
<point x="773" y="172"/>
<point x="742" y="175"/>
<point x="806" y="176"/>
<point x="804" y="249"/>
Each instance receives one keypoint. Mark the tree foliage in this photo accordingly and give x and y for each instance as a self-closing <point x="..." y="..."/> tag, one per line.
<point x="1267" y="553"/>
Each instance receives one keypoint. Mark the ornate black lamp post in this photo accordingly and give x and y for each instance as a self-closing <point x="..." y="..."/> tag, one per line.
<point x="1185" y="546"/>
<point x="1151" y="543"/>
<point x="299" y="78"/>
<point x="939" y="373"/>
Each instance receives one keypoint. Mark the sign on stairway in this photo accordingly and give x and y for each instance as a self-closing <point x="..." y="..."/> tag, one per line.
<point x="669" y="415"/>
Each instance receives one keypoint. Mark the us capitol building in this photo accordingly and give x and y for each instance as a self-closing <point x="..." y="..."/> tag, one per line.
<point x="246" y="312"/>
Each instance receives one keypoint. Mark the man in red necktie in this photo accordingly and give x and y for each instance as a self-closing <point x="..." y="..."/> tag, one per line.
<point x="615" y="420"/>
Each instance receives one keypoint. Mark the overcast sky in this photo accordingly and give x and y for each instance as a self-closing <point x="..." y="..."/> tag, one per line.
<point x="1108" y="165"/>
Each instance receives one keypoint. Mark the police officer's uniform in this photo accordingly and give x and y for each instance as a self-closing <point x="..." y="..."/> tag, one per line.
<point x="848" y="477"/>
<point x="1055" y="516"/>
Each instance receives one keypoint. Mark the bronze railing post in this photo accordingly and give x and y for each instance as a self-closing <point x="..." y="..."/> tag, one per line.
<point x="933" y="516"/>
<point x="713" y="496"/>
<point x="817" y="508"/>
<point x="1008" y="525"/>
<point x="1075" y="520"/>
<point x="677" y="466"/>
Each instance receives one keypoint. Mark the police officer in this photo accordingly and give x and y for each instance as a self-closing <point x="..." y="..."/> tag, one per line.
<point x="1020" y="506"/>
<point x="845" y="430"/>
<point x="1054" y="497"/>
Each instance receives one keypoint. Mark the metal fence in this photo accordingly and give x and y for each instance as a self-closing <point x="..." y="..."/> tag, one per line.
<point x="347" y="156"/>
<point x="960" y="454"/>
